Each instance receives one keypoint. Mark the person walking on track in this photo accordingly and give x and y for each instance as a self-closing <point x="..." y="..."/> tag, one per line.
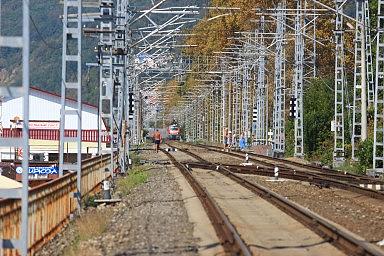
<point x="157" y="138"/>
<point x="230" y="140"/>
<point x="225" y="139"/>
<point x="242" y="142"/>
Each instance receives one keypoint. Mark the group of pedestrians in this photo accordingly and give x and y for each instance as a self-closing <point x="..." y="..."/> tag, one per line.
<point x="232" y="140"/>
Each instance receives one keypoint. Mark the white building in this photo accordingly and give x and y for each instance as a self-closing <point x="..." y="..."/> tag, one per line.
<point x="44" y="116"/>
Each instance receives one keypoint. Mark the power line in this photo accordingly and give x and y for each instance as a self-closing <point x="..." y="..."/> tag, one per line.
<point x="41" y="36"/>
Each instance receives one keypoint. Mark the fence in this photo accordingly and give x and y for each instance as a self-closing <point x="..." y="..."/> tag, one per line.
<point x="52" y="134"/>
<point x="50" y="205"/>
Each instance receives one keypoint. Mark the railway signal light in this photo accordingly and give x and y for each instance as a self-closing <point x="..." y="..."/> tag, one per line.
<point x="254" y="116"/>
<point x="131" y="105"/>
<point x="293" y="108"/>
<point x="99" y="55"/>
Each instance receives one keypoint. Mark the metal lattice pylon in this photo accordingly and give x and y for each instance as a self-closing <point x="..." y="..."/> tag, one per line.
<point x="245" y="99"/>
<point x="71" y="82"/>
<point x="119" y="78"/>
<point x="237" y="79"/>
<point x="279" y="93"/>
<point x="261" y="127"/>
<point x="369" y="57"/>
<point x="299" y="82"/>
<point x="230" y="105"/>
<point x="338" y="151"/>
<point x="127" y="80"/>
<point x="217" y="112"/>
<point x="356" y="117"/>
<point x="224" y="94"/>
<point x="106" y="81"/>
<point x="361" y="78"/>
<point x="20" y="42"/>
<point x="211" y="105"/>
<point x="378" y="146"/>
<point x="310" y="39"/>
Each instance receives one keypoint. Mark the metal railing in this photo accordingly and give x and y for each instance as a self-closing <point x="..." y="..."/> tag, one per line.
<point x="50" y="205"/>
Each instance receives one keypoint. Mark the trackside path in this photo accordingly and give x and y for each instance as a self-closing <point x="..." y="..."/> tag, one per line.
<point x="360" y="214"/>
<point x="151" y="220"/>
<point x="265" y="229"/>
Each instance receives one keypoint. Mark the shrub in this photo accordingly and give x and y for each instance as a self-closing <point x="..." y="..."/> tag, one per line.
<point x="135" y="177"/>
<point x="365" y="154"/>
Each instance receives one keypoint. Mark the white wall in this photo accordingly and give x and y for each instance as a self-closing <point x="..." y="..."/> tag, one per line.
<point x="46" y="107"/>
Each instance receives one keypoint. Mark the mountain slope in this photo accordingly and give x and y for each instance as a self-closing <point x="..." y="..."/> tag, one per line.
<point x="46" y="45"/>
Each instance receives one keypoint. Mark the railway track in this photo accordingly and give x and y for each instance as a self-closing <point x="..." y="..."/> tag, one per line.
<point x="284" y="164"/>
<point x="229" y="237"/>
<point x="322" y="179"/>
<point x="341" y="239"/>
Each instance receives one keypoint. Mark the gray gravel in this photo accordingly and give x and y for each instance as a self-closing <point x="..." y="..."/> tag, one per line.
<point x="362" y="215"/>
<point x="61" y="241"/>
<point x="151" y="220"/>
<point x="214" y="157"/>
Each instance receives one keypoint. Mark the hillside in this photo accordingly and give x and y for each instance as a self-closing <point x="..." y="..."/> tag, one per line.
<point x="46" y="45"/>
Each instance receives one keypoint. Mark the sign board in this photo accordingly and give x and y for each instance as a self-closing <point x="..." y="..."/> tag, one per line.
<point x="333" y="128"/>
<point x="39" y="170"/>
<point x="44" y="125"/>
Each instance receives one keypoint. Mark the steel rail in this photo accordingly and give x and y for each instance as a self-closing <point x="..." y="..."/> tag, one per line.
<point x="296" y="175"/>
<point x="226" y="232"/>
<point x="339" y="238"/>
<point x="316" y="178"/>
<point x="284" y="164"/>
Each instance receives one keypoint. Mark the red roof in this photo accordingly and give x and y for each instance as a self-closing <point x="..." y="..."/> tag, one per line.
<point x="59" y="96"/>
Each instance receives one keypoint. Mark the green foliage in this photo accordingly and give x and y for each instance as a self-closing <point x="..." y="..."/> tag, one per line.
<point x="351" y="167"/>
<point x="135" y="177"/>
<point x="318" y="105"/>
<point x="289" y="137"/>
<point x="373" y="7"/>
<point x="249" y="141"/>
<point x="89" y="201"/>
<point x="323" y="153"/>
<point x="365" y="154"/>
<point x="46" y="48"/>
<point x="135" y="157"/>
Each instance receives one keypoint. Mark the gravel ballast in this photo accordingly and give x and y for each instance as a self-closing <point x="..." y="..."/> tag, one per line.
<point x="152" y="219"/>
<point x="361" y="215"/>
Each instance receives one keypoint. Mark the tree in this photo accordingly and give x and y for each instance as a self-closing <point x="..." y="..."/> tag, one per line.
<point x="365" y="154"/>
<point x="318" y="114"/>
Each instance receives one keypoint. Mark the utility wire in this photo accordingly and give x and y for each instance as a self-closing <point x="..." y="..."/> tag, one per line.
<point x="41" y="36"/>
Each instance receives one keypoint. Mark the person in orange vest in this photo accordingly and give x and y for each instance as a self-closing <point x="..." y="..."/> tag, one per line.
<point x="157" y="138"/>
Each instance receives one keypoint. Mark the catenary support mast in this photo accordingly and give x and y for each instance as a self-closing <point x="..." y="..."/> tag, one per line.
<point x="338" y="151"/>
<point x="71" y="83"/>
<point x="21" y="42"/>
<point x="298" y="82"/>
<point x="378" y="146"/>
<point x="279" y="93"/>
